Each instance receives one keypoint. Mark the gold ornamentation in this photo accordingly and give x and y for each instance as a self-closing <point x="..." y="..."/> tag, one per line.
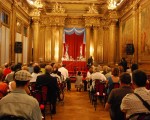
<point x="36" y="12"/>
<point x="57" y="8"/>
<point x="75" y="21"/>
<point x="92" y="21"/>
<point x="53" y="20"/>
<point x="92" y="9"/>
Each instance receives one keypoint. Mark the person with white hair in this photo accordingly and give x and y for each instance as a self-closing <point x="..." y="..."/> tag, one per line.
<point x="97" y="75"/>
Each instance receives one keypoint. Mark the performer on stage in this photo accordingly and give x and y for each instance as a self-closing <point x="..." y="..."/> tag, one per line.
<point x="90" y="62"/>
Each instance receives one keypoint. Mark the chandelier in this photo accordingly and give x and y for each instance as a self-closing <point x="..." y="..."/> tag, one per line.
<point x="36" y="3"/>
<point x="113" y="4"/>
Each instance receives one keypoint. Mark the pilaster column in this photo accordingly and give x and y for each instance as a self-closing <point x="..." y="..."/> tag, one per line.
<point x="48" y="34"/>
<point x="134" y="57"/>
<point x="95" y="36"/>
<point x="53" y="43"/>
<point x="36" y="39"/>
<point x="87" y="51"/>
<point x="106" y="52"/>
<point x="61" y="28"/>
<point x="112" y="41"/>
<point x="13" y="32"/>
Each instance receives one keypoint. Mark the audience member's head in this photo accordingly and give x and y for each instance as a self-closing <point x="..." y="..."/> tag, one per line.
<point x="97" y="69"/>
<point x="36" y="69"/>
<point x="12" y="67"/>
<point x="139" y="78"/>
<point x="115" y="71"/>
<point x="125" y="78"/>
<point x="91" y="70"/>
<point x="105" y="69"/>
<point x="25" y="68"/>
<point x="108" y="69"/>
<point x="48" y="69"/>
<point x="79" y="73"/>
<point x="134" y="67"/>
<point x="22" y="77"/>
<point x="6" y="65"/>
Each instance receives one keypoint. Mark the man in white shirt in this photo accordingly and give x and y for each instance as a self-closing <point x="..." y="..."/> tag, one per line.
<point x="63" y="71"/>
<point x="65" y="74"/>
<point x="97" y="75"/>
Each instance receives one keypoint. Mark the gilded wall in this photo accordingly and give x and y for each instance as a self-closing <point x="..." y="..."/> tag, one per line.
<point x="135" y="28"/>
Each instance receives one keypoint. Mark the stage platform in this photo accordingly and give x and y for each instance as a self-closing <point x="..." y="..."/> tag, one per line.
<point x="74" y="66"/>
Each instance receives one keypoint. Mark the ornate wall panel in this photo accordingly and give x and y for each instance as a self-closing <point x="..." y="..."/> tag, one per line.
<point x="127" y="33"/>
<point x="144" y="34"/>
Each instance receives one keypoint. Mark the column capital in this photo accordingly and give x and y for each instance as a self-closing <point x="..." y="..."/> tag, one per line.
<point x="113" y="14"/>
<point x="105" y="28"/>
<point x="113" y="21"/>
<point x="36" y="19"/>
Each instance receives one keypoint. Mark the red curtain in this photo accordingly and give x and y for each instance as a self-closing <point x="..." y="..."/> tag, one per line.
<point x="74" y="43"/>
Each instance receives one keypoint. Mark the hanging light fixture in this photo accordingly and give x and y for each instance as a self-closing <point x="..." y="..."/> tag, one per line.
<point x="113" y="4"/>
<point x="36" y="3"/>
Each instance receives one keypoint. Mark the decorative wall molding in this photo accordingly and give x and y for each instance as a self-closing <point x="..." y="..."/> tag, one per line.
<point x="75" y="21"/>
<point x="57" y="8"/>
<point x="92" y="9"/>
<point x="53" y="20"/>
<point x="92" y="20"/>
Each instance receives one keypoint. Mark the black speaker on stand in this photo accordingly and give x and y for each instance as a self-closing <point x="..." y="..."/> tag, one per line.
<point x="18" y="47"/>
<point x="129" y="49"/>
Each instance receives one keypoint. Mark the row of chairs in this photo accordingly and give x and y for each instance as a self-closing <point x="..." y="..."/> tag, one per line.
<point x="41" y="95"/>
<point x="99" y="92"/>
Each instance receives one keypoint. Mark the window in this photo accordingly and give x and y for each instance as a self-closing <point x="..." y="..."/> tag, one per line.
<point x="4" y="17"/>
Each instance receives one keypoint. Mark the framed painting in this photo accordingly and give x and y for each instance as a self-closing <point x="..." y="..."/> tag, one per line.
<point x="127" y="33"/>
<point x="144" y="34"/>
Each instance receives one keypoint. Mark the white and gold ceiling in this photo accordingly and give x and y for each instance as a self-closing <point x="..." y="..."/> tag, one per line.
<point x="73" y="7"/>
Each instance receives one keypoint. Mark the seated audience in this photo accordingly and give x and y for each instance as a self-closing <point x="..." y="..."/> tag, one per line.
<point x="18" y="103"/>
<point x="6" y="70"/>
<point x="97" y="75"/>
<point x="78" y="83"/>
<point x="52" y="84"/>
<point x="114" y="78"/>
<point x="3" y="85"/>
<point x="108" y="74"/>
<point x="10" y="77"/>
<point x="36" y="72"/>
<point x="116" y="96"/>
<point x="131" y="104"/>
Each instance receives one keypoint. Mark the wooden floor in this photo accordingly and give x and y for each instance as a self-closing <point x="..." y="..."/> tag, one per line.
<point x="78" y="107"/>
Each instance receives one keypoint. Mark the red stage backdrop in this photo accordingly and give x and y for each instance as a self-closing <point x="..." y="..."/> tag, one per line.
<point x="75" y="44"/>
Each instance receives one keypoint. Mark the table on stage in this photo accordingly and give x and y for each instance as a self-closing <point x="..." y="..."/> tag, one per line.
<point x="73" y="66"/>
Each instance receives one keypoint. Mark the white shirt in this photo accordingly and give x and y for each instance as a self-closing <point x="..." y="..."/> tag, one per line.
<point x="34" y="76"/>
<point x="132" y="104"/>
<point x="64" y="72"/>
<point x="97" y="75"/>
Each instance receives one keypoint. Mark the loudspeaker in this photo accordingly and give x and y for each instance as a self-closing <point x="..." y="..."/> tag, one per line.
<point x="18" y="47"/>
<point x="129" y="49"/>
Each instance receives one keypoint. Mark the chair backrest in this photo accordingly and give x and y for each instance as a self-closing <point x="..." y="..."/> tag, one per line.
<point x="99" y="87"/>
<point x="12" y="117"/>
<point x="114" y="85"/>
<point x="44" y="94"/>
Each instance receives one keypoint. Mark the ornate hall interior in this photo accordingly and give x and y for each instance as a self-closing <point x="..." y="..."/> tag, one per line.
<point x="45" y="30"/>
